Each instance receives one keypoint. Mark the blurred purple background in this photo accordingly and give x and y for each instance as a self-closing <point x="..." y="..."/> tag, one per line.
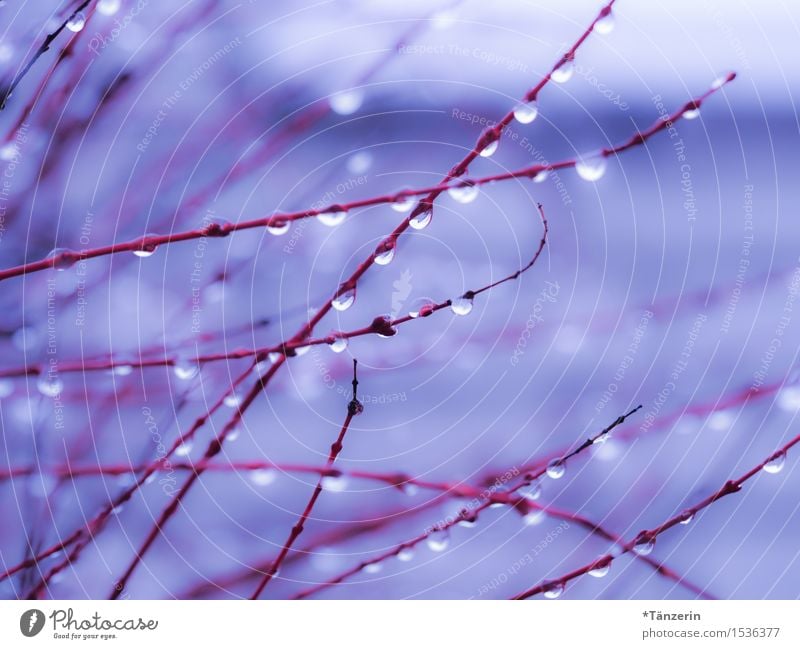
<point x="638" y="263"/>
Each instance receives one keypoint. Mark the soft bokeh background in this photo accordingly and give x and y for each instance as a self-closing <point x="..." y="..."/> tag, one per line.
<point x="637" y="264"/>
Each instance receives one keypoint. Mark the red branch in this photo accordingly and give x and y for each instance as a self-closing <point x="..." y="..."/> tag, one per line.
<point x="646" y="538"/>
<point x="354" y="408"/>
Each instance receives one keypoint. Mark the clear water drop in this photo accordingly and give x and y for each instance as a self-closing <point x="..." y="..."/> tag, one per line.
<point x="384" y="255"/>
<point x="692" y="113"/>
<point x="526" y="112"/>
<point x="337" y="483"/>
<point x="789" y="398"/>
<point x="461" y="305"/>
<point x="775" y="464"/>
<point x="489" y="150"/>
<point x="232" y="400"/>
<point x="421" y="221"/>
<point x="122" y="370"/>
<point x="344" y="301"/>
<point x="532" y="491"/>
<point x="602" y="439"/>
<point x="332" y="218"/>
<point x="553" y="591"/>
<point x="184" y="449"/>
<point x="606" y="24"/>
<point x="346" y="102"/>
<point x="6" y="388"/>
<point x="279" y="227"/>
<point x="686" y="517"/>
<point x="359" y="162"/>
<point x="150" y="479"/>
<point x="49" y="385"/>
<point x="185" y="370"/>
<point x="719" y="82"/>
<point x="263" y="477"/>
<point x="406" y="554"/>
<point x="534" y="517"/>
<point x="556" y="469"/>
<point x="8" y="152"/>
<point x="644" y="545"/>
<point x="234" y="434"/>
<point x="467" y="518"/>
<point x="146" y="249"/>
<point x="421" y="307"/>
<point x="438" y="540"/>
<point x="563" y="72"/>
<point x="302" y="351"/>
<point x="116" y="511"/>
<point x="541" y="176"/>
<point x="108" y="7"/>
<point x="600" y="568"/>
<point x="373" y="568"/>
<point x="465" y="192"/>
<point x="76" y="23"/>
<point x="338" y="344"/>
<point x="591" y="167"/>
<point x="274" y="357"/>
<point x="403" y="203"/>
<point x="63" y="258"/>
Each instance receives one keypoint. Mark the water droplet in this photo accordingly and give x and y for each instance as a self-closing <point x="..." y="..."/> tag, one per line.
<point x="438" y="540"/>
<point x="336" y="483"/>
<point x="461" y="305"/>
<point x="301" y="351"/>
<point x="721" y="420"/>
<point x="403" y="203"/>
<point x="465" y="192"/>
<point x="359" y="162"/>
<point x="489" y="149"/>
<point x="719" y="82"/>
<point x="384" y="254"/>
<point x="421" y="307"/>
<point x="234" y="434"/>
<point x="274" y="357"/>
<point x="686" y="517"/>
<point x="373" y="568"/>
<point x="344" y="301"/>
<point x="185" y="370"/>
<point x="776" y="463"/>
<point x="554" y="590"/>
<point x="76" y="23"/>
<point x="63" y="258"/>
<point x="108" y="7"/>
<point x="556" y="469"/>
<point x="421" y="221"/>
<point x="263" y="477"/>
<point x="605" y="25"/>
<point x="534" y="517"/>
<point x="563" y="72"/>
<point x="150" y="479"/>
<point x="789" y="398"/>
<point x="526" y="112"/>
<point x="338" y="345"/>
<point x="122" y="370"/>
<point x="409" y="488"/>
<point x="184" y="449"/>
<point x="332" y="218"/>
<point x="692" y="113"/>
<point x="532" y="491"/>
<point x="346" y="102"/>
<point x="49" y="385"/>
<point x="116" y="511"/>
<point x="279" y="227"/>
<point x="406" y="554"/>
<point x="232" y="400"/>
<point x="468" y="518"/>
<point x="8" y="151"/>
<point x="601" y="568"/>
<point x="146" y="249"/>
<point x="541" y="176"/>
<point x="644" y="545"/>
<point x="6" y="388"/>
<point x="591" y="167"/>
<point x="602" y="439"/>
